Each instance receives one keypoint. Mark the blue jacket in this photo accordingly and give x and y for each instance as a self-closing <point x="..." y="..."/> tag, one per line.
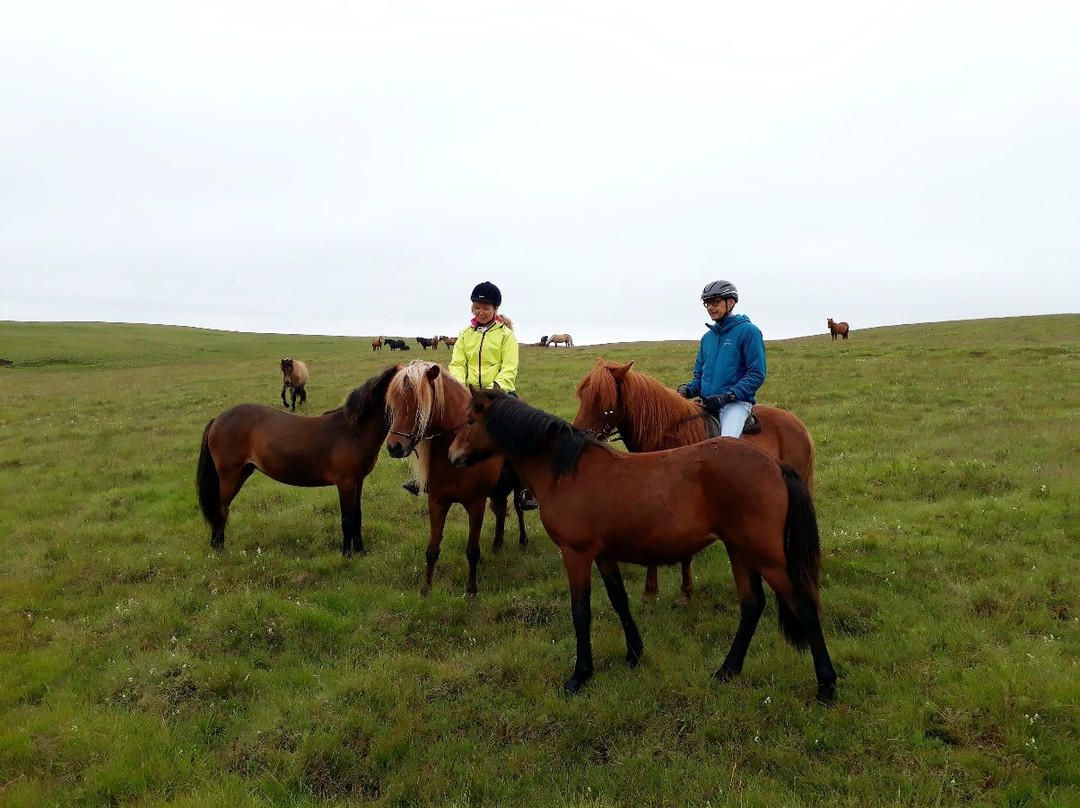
<point x="731" y="357"/>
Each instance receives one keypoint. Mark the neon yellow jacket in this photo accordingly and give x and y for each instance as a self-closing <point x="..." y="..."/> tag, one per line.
<point x="483" y="356"/>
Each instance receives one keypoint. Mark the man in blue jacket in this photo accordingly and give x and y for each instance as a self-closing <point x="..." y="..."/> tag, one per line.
<point x="730" y="364"/>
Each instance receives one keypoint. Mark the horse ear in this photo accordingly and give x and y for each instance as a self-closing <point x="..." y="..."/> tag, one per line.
<point x="599" y="362"/>
<point x="620" y="372"/>
<point x="479" y="400"/>
<point x="433" y="373"/>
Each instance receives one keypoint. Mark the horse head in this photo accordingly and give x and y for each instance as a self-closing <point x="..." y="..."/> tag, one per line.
<point x="421" y="402"/>
<point x="472" y="443"/>
<point x="286" y="365"/>
<point x="599" y="399"/>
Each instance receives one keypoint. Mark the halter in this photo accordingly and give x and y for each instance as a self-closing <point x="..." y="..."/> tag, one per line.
<point x="413" y="439"/>
<point x="607" y="433"/>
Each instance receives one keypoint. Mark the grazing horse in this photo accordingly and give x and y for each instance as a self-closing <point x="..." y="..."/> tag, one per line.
<point x="426" y="407"/>
<point x="838" y="329"/>
<point x="448" y="341"/>
<point x="397" y="344"/>
<point x="295" y="376"/>
<point x="614" y="399"/>
<point x="337" y="448"/>
<point x="376" y="343"/>
<point x="682" y="501"/>
<point x="426" y="342"/>
<point x="563" y="339"/>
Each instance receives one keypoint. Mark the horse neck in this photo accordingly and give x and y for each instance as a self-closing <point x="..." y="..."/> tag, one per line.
<point x="655" y="418"/>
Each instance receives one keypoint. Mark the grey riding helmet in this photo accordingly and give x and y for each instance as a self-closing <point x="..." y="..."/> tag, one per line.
<point x="720" y="289"/>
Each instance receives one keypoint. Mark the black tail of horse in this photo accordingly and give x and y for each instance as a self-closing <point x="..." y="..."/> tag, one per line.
<point x="207" y="483"/>
<point x="802" y="550"/>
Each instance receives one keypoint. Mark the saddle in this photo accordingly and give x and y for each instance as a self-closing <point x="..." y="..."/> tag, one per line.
<point x="751" y="427"/>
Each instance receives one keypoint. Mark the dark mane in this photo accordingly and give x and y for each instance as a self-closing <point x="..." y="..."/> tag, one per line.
<point x="520" y="429"/>
<point x="368" y="398"/>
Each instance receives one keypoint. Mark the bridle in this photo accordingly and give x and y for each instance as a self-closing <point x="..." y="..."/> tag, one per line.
<point x="415" y="439"/>
<point x="607" y="432"/>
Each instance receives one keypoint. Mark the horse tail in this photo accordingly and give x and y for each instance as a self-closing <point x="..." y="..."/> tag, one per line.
<point x="207" y="483"/>
<point x="802" y="551"/>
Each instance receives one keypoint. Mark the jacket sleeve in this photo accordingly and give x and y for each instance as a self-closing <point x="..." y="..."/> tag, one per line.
<point x="694" y="385"/>
<point x="457" y="367"/>
<point x="754" y="353"/>
<point x="507" y="375"/>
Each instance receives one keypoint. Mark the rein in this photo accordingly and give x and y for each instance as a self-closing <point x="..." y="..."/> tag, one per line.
<point x="413" y="440"/>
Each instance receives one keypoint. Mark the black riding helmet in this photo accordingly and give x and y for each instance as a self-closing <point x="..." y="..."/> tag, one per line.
<point x="720" y="289"/>
<point x="487" y="292"/>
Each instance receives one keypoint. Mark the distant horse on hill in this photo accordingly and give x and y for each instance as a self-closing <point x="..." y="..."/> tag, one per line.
<point x="376" y="343"/>
<point x="397" y="344"/>
<point x="840" y="329"/>
<point x="294" y="375"/>
<point x="425" y="342"/>
<point x="337" y="448"/>
<point x="561" y="339"/>
<point x="448" y="341"/>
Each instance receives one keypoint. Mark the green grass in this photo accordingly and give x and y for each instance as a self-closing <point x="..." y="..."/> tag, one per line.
<point x="137" y="667"/>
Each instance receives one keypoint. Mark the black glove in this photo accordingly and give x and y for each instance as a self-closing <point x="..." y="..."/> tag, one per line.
<point x="684" y="391"/>
<point x="713" y="404"/>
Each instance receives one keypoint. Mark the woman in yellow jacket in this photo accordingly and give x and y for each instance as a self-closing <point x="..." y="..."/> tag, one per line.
<point x="486" y="351"/>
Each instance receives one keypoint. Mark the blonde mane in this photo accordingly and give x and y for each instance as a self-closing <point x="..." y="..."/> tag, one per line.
<point x="411" y="387"/>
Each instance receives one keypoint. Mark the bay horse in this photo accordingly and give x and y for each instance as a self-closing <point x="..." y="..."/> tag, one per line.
<point x="564" y="339"/>
<point x="649" y="416"/>
<point x="376" y="343"/>
<point x="448" y="341"/>
<point x="838" y="329"/>
<point x="337" y="448"/>
<point x="682" y="501"/>
<point x="428" y="342"/>
<point x="294" y="375"/>
<point x="426" y="407"/>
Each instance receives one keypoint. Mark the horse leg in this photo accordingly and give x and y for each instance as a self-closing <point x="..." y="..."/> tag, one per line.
<point x="651" y="587"/>
<point x="579" y="571"/>
<point x="751" y="605"/>
<point x="797" y="604"/>
<point x="437" y="520"/>
<point x="498" y="507"/>
<point x="229" y="484"/>
<point x="303" y="395"/>
<point x="687" y="590"/>
<point x="292" y="395"/>
<point x="472" y="550"/>
<point x="351" y="518"/>
<point x="523" y="538"/>
<point x="284" y="387"/>
<point x="613" y="582"/>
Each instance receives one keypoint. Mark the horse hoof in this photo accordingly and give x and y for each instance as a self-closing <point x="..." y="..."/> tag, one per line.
<point x="633" y="657"/>
<point x="424" y="591"/>
<point x="574" y="684"/>
<point x="826" y="692"/>
<point x="682" y="601"/>
<point x="725" y="674"/>
<point x="470" y="597"/>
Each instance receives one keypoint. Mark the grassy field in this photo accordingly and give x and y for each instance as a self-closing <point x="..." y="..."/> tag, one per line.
<point x="138" y="667"/>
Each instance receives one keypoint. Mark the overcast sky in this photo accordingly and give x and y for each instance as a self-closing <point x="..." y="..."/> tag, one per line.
<point x="355" y="168"/>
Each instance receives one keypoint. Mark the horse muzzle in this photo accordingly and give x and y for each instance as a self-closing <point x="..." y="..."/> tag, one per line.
<point x="398" y="449"/>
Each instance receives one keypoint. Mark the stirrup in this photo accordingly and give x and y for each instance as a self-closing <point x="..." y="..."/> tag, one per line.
<point x="526" y="501"/>
<point x="412" y="487"/>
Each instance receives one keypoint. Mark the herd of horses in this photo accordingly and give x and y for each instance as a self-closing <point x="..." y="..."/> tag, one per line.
<point x="669" y="496"/>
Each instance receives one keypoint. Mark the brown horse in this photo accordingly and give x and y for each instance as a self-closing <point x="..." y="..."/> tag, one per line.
<point x="561" y="339"/>
<point x="294" y="375"/>
<point x="426" y="407"/>
<point x="376" y="343"/>
<point x="448" y="341"/>
<point x="337" y="448"/>
<point x="682" y="501"/>
<point x="838" y="329"/>
<point x="614" y="399"/>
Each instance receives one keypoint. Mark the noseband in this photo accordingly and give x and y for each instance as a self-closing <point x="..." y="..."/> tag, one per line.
<point x="607" y="432"/>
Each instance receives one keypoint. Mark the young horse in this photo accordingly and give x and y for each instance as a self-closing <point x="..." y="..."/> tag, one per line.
<point x="338" y="448"/>
<point x="683" y="500"/>
<point x="564" y="339"/>
<point x="294" y="375"/>
<point x="649" y="417"/>
<point x="838" y="329"/>
<point x="426" y="407"/>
